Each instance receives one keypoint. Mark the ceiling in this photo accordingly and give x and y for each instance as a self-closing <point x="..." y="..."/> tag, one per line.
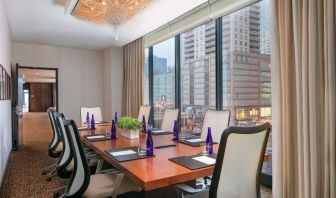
<point x="38" y="75"/>
<point x="44" y="22"/>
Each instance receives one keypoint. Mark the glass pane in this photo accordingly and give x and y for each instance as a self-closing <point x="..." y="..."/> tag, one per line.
<point x="198" y="74"/>
<point x="163" y="78"/>
<point x="146" y="80"/>
<point x="246" y="67"/>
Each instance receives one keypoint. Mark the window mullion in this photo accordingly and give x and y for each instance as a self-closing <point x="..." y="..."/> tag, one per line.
<point x="219" y="65"/>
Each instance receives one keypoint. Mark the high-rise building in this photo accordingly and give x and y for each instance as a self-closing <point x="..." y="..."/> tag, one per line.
<point x="265" y="39"/>
<point x="246" y="65"/>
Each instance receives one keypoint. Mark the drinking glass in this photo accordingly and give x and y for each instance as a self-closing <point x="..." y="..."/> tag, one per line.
<point x="182" y="134"/>
<point x="142" y="150"/>
<point x="108" y="134"/>
<point x="205" y="151"/>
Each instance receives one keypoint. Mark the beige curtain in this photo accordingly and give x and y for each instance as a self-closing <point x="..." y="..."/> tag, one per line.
<point x="303" y="98"/>
<point x="133" y="76"/>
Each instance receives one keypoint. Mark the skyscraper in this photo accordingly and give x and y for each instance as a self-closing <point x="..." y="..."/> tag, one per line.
<point x="246" y="65"/>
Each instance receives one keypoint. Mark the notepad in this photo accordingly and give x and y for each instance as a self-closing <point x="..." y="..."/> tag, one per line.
<point x="127" y="152"/>
<point x="95" y="137"/>
<point x="195" y="140"/>
<point x="205" y="160"/>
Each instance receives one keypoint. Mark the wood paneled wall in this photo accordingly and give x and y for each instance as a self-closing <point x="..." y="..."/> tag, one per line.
<point x="41" y="96"/>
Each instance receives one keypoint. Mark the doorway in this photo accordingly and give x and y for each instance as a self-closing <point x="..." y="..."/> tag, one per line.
<point x="39" y="89"/>
<point x="35" y="89"/>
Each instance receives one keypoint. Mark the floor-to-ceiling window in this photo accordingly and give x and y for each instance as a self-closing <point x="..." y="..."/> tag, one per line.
<point x="246" y="51"/>
<point x="198" y="74"/>
<point x="243" y="58"/>
<point x="163" y="78"/>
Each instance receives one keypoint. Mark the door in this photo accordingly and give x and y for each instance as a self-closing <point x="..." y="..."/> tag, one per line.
<point x="17" y="108"/>
<point x="41" y="97"/>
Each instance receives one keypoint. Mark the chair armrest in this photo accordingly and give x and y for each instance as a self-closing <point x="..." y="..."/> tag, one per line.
<point x="186" y="189"/>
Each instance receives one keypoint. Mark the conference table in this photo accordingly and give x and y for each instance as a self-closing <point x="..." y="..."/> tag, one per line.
<point x="154" y="172"/>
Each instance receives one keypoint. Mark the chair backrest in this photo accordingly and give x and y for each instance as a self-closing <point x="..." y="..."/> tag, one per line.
<point x="144" y="111"/>
<point x="66" y="155"/>
<point x="170" y="115"/>
<point x="96" y="111"/>
<point x="239" y="161"/>
<point x="218" y="121"/>
<point x="56" y="139"/>
<point x="80" y="177"/>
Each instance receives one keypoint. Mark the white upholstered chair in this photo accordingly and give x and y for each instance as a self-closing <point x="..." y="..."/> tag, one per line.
<point x="170" y="115"/>
<point x="82" y="184"/>
<point x="238" y="164"/>
<point x="96" y="111"/>
<point x="144" y="111"/>
<point x="218" y="121"/>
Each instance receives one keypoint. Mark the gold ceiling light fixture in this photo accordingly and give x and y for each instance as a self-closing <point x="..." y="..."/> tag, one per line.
<point x="113" y="12"/>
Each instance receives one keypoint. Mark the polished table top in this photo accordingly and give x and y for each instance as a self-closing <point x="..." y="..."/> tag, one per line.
<point x="154" y="172"/>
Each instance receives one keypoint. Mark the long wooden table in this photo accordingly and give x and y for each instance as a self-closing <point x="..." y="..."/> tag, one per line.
<point x="150" y="173"/>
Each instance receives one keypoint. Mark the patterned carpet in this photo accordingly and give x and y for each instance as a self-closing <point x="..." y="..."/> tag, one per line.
<point x="23" y="177"/>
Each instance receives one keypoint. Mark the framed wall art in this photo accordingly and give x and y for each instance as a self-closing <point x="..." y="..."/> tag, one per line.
<point x="5" y="84"/>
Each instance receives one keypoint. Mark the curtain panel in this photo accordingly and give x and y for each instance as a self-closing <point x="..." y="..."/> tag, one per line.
<point x="303" y="98"/>
<point x="133" y="76"/>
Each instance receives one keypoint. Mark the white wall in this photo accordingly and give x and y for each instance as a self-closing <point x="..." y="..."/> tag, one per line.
<point x="113" y="81"/>
<point x="5" y="105"/>
<point x="80" y="73"/>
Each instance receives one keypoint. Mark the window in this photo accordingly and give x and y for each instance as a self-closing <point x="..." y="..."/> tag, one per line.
<point x="163" y="78"/>
<point x="246" y="72"/>
<point x="146" y="80"/>
<point x="198" y="74"/>
<point x="248" y="79"/>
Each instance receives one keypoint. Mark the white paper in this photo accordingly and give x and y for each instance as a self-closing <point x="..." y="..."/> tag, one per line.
<point x="205" y="159"/>
<point x="95" y="137"/>
<point x="159" y="131"/>
<point x="127" y="152"/>
<point x="83" y="127"/>
<point x="195" y="140"/>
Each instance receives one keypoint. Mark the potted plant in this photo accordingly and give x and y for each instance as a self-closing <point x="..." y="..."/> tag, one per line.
<point x="129" y="127"/>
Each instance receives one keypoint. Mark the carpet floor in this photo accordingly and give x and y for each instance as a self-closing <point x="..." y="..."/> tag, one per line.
<point x="23" y="177"/>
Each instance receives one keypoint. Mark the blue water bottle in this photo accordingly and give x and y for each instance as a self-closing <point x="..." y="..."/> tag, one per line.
<point x="93" y="126"/>
<point x="144" y="124"/>
<point x="116" y="117"/>
<point x="175" y="132"/>
<point x="113" y="131"/>
<point x="149" y="143"/>
<point x="209" y="142"/>
<point x="87" y="118"/>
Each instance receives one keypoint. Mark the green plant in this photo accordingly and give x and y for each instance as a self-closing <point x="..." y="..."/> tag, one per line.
<point x="129" y="123"/>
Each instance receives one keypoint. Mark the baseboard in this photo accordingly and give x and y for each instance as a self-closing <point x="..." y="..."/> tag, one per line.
<point x="5" y="170"/>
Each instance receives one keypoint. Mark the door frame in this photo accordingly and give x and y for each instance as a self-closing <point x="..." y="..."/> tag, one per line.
<point x="16" y="118"/>
<point x="45" y="68"/>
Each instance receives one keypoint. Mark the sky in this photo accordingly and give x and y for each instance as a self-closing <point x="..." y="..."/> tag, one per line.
<point x="166" y="49"/>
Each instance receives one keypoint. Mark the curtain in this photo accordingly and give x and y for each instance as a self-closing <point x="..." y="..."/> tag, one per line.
<point x="133" y="76"/>
<point x="303" y="98"/>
